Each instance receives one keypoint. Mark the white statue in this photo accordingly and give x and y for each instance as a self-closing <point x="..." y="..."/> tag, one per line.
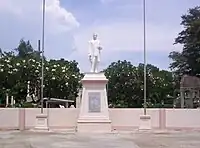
<point x="94" y="53"/>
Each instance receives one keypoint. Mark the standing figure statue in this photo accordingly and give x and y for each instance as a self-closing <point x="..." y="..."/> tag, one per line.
<point x="94" y="53"/>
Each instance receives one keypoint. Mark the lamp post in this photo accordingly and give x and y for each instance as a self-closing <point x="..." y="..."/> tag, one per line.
<point x="144" y="46"/>
<point x="42" y="69"/>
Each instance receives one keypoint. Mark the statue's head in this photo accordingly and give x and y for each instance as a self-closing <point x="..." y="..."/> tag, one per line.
<point x="94" y="36"/>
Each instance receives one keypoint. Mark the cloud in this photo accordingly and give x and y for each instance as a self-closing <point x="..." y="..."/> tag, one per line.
<point x="128" y="36"/>
<point x="120" y="31"/>
<point x="119" y="38"/>
<point x="26" y="17"/>
<point x="58" y="19"/>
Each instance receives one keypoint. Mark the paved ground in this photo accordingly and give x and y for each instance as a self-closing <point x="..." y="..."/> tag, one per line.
<point x="11" y="139"/>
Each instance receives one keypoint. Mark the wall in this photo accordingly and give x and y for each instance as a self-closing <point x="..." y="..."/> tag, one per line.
<point x="187" y="118"/>
<point x="121" y="118"/>
<point x="126" y="119"/>
<point x="59" y="118"/>
<point x="9" y="118"/>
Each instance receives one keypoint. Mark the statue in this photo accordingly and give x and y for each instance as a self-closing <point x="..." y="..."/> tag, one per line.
<point x="94" y="53"/>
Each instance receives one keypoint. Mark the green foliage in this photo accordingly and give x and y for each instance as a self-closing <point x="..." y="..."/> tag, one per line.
<point x="126" y="83"/>
<point x="61" y="77"/>
<point x="188" y="61"/>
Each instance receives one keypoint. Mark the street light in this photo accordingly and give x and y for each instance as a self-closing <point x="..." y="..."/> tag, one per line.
<point x="42" y="70"/>
<point x="144" y="46"/>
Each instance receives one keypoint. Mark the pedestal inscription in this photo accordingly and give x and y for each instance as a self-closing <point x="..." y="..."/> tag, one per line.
<point x="94" y="102"/>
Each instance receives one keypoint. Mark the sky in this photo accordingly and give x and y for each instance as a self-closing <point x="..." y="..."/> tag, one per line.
<point x="69" y="25"/>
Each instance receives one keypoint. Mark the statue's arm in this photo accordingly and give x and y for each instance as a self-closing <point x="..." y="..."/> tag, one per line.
<point x="100" y="47"/>
<point x="89" y="49"/>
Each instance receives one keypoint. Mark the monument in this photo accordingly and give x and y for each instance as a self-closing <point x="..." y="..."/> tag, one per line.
<point x="94" y="115"/>
<point x="94" y="53"/>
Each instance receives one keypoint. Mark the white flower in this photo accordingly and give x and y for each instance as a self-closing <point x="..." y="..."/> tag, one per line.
<point x="47" y="68"/>
<point x="36" y="70"/>
<point x="53" y="70"/>
<point x="63" y="67"/>
<point x="15" y="69"/>
<point x="66" y="83"/>
<point x="74" y="76"/>
<point x="18" y="64"/>
<point x="54" y="65"/>
<point x="1" y="70"/>
<point x="8" y="61"/>
<point x="63" y="70"/>
<point x="9" y="66"/>
<point x="53" y="78"/>
<point x="23" y="61"/>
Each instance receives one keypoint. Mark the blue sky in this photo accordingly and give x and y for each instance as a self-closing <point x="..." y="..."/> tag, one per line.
<point x="70" y="24"/>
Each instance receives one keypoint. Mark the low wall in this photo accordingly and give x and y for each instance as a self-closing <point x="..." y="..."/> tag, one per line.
<point x="121" y="118"/>
<point x="183" y="118"/>
<point x="9" y="118"/>
<point x="126" y="119"/>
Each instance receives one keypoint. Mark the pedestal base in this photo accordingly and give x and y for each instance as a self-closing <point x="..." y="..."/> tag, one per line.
<point x="145" y="122"/>
<point x="94" y="114"/>
<point x="87" y="126"/>
<point x="41" y="122"/>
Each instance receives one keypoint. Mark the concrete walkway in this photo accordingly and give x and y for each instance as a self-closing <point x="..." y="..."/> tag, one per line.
<point x="181" y="139"/>
<point x="62" y="140"/>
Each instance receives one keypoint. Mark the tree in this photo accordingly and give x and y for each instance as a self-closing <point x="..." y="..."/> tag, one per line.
<point x="159" y="85"/>
<point x="123" y="85"/>
<point x="188" y="61"/>
<point x="126" y="83"/>
<point x="24" y="48"/>
<point x="61" y="77"/>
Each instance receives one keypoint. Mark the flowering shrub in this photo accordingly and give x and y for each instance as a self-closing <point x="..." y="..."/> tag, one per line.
<point x="61" y="77"/>
<point x="126" y="83"/>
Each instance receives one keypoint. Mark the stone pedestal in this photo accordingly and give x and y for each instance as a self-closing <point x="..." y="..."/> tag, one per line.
<point x="94" y="115"/>
<point x="41" y="122"/>
<point x="145" y="122"/>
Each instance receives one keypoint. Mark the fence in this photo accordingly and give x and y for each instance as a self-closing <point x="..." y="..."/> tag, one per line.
<point x="121" y="118"/>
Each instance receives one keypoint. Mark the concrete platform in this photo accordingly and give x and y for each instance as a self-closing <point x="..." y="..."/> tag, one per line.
<point x="153" y="139"/>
